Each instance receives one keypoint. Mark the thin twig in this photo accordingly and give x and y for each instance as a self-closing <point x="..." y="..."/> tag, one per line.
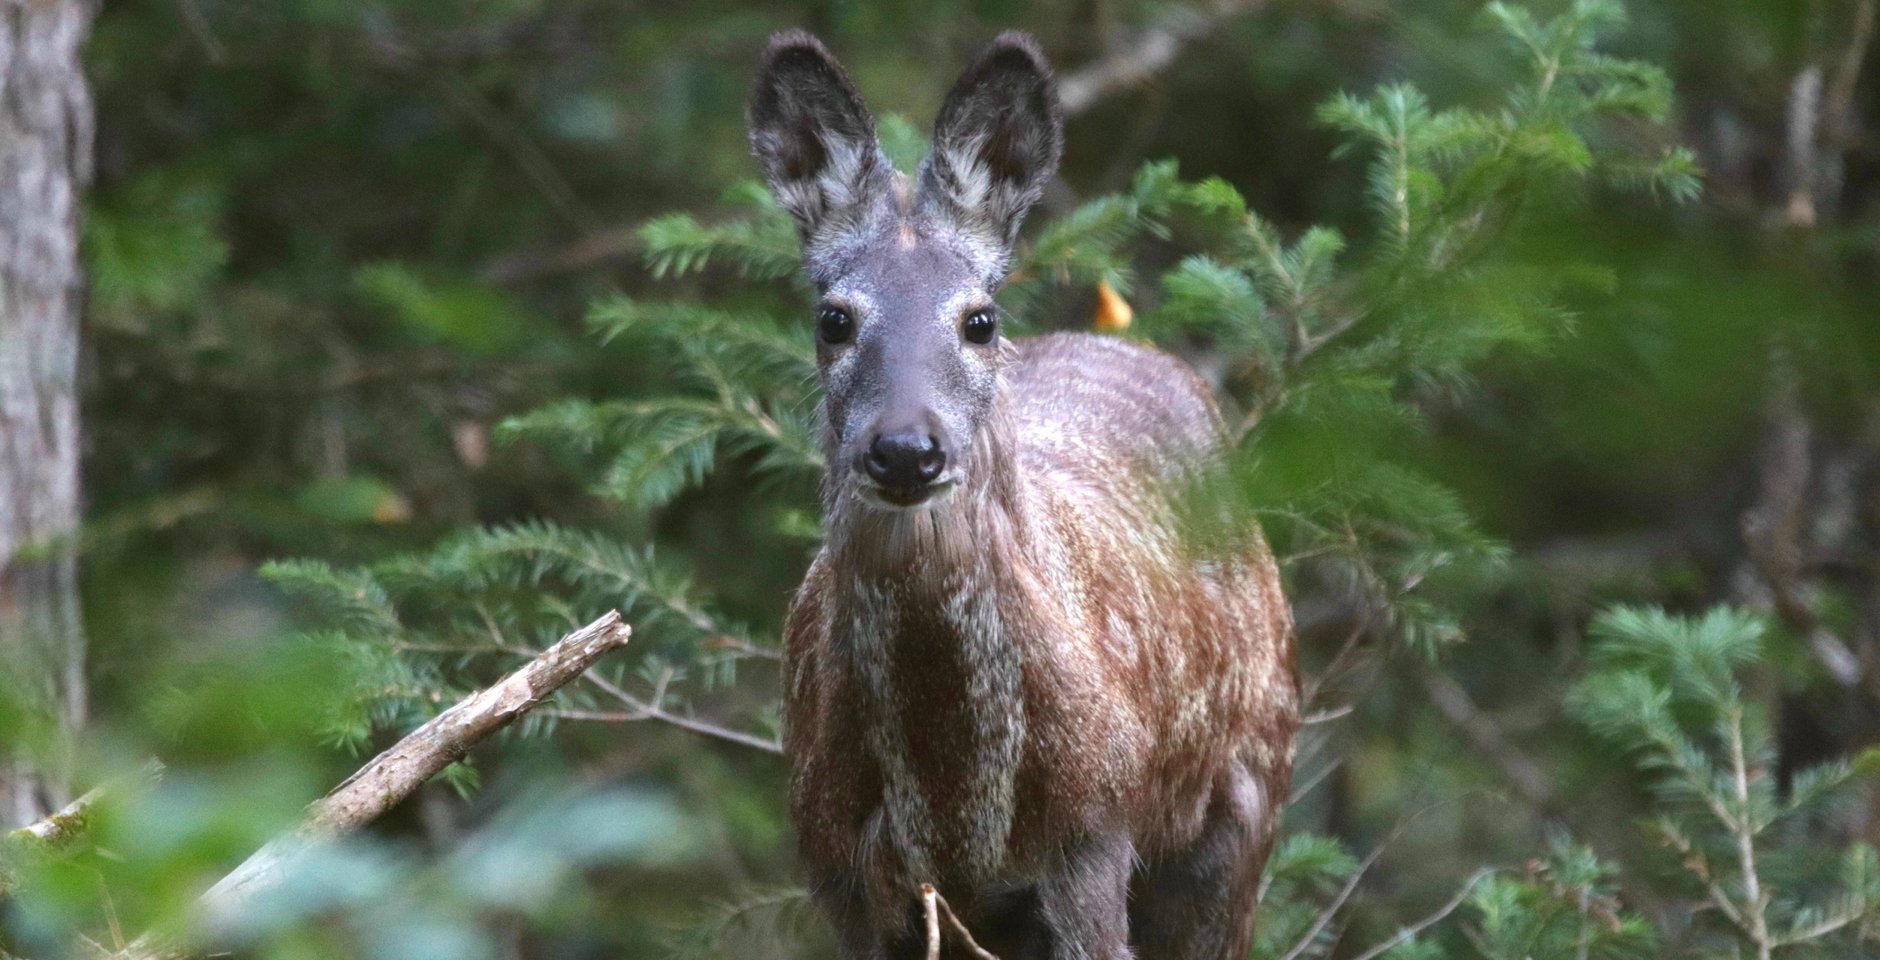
<point x="1338" y="902"/>
<point x="1716" y="893"/>
<point x="647" y="712"/>
<point x="199" y="28"/>
<point x="1315" y="685"/>
<point x="638" y="709"/>
<point x="1486" y="736"/>
<point x="110" y="913"/>
<point x="590" y="250"/>
<point x="1826" y="926"/>
<point x="936" y="907"/>
<point x="1431" y="920"/>
<point x="930" y="905"/>
<point x="1357" y="876"/>
<point x="743" y="648"/>
<point x="523" y="151"/>
<point x="1327" y="715"/>
<point x="1302" y="790"/>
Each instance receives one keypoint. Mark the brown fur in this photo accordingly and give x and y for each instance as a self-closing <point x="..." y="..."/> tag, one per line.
<point x="1143" y="673"/>
<point x="1024" y="684"/>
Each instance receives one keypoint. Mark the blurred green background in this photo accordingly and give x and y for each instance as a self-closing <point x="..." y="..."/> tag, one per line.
<point x="336" y="248"/>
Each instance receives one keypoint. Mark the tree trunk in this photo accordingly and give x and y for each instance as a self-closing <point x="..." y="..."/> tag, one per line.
<point x="45" y="149"/>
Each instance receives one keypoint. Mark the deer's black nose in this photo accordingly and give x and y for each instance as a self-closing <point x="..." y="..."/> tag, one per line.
<point x="904" y="461"/>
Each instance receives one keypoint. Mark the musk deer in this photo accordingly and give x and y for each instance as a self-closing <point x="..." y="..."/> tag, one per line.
<point x="1008" y="673"/>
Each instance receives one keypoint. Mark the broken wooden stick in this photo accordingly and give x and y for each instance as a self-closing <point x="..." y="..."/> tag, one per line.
<point x="398" y="772"/>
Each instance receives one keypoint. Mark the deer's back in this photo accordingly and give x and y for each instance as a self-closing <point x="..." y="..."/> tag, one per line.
<point x="1106" y="412"/>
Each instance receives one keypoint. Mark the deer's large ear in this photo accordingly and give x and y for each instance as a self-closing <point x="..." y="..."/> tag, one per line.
<point x="997" y="140"/>
<point x="813" y="136"/>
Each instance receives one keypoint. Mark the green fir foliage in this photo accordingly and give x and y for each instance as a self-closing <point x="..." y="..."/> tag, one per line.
<point x="338" y="256"/>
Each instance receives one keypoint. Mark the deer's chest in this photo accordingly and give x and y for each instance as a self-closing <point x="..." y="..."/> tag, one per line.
<point x="942" y="696"/>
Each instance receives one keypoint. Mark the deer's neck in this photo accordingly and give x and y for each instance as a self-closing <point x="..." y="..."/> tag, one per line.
<point x="930" y="627"/>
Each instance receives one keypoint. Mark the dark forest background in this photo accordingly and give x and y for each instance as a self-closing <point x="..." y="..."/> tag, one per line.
<point x="419" y="331"/>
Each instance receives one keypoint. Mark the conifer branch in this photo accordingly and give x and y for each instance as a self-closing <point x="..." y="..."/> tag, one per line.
<point x="1755" y="904"/>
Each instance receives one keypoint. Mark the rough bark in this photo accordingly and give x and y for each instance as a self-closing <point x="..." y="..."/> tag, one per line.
<point x="45" y="145"/>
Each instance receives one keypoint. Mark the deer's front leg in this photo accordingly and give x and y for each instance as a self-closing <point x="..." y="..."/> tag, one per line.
<point x="1084" y="903"/>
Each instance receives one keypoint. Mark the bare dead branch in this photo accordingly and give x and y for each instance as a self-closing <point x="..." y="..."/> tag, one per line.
<point x="395" y="774"/>
<point x="1147" y="55"/>
<point x="1774" y="529"/>
<point x="67" y="827"/>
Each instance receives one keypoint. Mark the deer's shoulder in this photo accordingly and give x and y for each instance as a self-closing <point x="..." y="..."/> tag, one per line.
<point x="1079" y="394"/>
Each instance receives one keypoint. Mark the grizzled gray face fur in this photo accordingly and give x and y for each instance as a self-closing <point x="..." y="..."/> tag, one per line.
<point x="909" y="340"/>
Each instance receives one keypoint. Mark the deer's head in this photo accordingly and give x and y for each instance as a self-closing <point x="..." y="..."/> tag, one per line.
<point x="908" y="338"/>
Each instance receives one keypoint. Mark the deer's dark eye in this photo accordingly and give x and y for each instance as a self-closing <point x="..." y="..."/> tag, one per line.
<point x="834" y="325"/>
<point x="980" y="326"/>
